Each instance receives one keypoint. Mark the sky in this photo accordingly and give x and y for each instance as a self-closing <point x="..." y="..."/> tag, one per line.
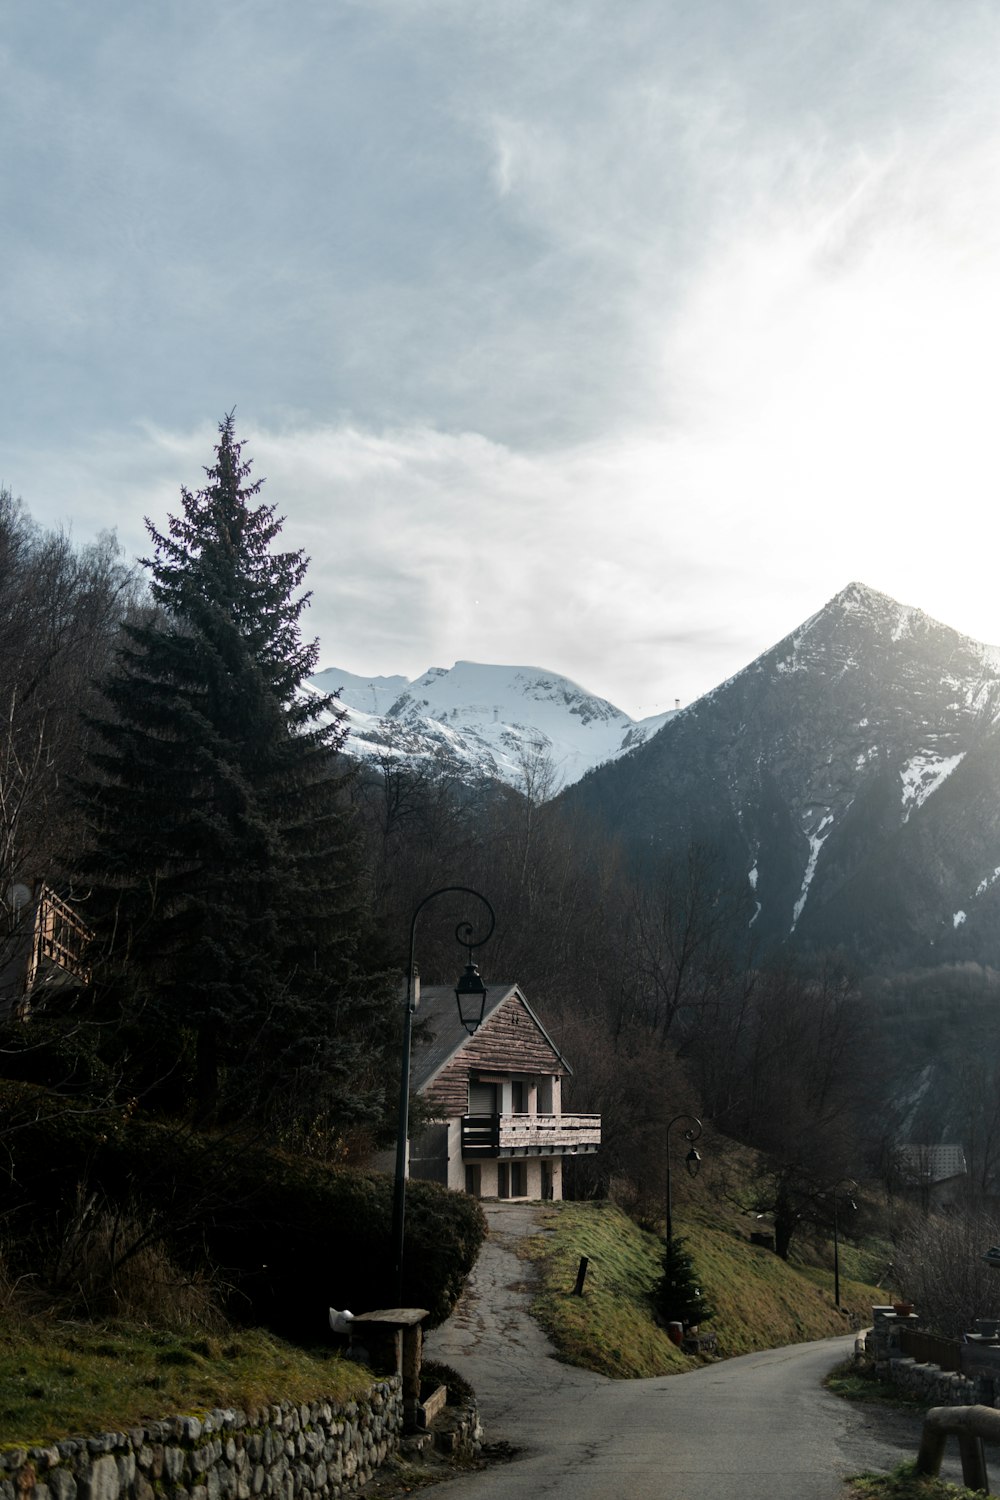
<point x="612" y="337"/>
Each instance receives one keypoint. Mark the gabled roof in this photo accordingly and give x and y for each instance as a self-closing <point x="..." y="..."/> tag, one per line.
<point x="441" y="1034"/>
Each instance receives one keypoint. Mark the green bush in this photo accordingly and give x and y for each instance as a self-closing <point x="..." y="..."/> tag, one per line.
<point x="287" y="1236"/>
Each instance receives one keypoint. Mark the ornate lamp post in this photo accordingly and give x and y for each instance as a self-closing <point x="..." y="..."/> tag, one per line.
<point x="470" y="996"/>
<point x="692" y="1161"/>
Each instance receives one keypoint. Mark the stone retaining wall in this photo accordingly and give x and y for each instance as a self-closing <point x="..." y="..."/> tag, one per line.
<point x="933" y="1385"/>
<point x="314" y="1451"/>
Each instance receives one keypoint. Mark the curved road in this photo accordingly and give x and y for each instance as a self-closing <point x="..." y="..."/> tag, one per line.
<point x="760" y="1427"/>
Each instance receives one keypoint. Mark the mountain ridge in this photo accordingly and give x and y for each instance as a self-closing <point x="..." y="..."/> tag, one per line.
<point x="808" y="764"/>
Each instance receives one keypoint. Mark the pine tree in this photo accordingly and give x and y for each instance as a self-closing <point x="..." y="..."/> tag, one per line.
<point x="679" y="1297"/>
<point x="227" y="867"/>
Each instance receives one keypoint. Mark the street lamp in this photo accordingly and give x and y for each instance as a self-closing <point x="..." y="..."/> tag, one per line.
<point x="470" y="997"/>
<point x="850" y="1186"/>
<point x="692" y="1161"/>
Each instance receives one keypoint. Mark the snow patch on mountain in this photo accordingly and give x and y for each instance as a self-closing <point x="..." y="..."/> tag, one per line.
<point x="922" y="774"/>
<point x="521" y="725"/>
<point x="816" y="841"/>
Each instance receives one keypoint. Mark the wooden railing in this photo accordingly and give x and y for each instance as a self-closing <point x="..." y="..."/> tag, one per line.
<point x="480" y="1135"/>
<point x="930" y="1349"/>
<point x="529" y="1135"/>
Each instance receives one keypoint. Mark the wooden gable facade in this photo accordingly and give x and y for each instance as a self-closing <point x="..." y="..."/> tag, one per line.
<point x="509" y="1041"/>
<point x="497" y="1128"/>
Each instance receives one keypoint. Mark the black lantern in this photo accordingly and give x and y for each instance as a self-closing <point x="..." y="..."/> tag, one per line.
<point x="470" y="993"/>
<point x="692" y="1161"/>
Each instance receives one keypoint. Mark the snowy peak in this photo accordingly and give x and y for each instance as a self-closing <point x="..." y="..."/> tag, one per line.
<point x="371" y="695"/>
<point x="486" y="721"/>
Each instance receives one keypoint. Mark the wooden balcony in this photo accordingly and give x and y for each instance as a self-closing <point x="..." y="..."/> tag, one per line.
<point x="529" y="1135"/>
<point x="59" y="945"/>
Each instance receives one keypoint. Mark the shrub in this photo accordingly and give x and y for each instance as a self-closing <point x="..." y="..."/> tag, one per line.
<point x="113" y="1264"/>
<point x="288" y="1236"/>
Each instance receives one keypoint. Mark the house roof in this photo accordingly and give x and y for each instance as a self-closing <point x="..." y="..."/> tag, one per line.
<point x="441" y="1034"/>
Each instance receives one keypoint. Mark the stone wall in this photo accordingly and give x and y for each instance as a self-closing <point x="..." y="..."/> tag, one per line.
<point x="928" y="1381"/>
<point x="316" y="1451"/>
<point x="934" y="1386"/>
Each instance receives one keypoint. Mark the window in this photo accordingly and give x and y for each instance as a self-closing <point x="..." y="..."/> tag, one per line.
<point x="482" y="1098"/>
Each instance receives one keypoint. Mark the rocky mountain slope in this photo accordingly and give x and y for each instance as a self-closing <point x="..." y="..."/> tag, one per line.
<point x="486" y="722"/>
<point x="849" y="778"/>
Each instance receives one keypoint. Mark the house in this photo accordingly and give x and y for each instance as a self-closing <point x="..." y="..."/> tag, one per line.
<point x="497" y="1127"/>
<point x="44" y="947"/>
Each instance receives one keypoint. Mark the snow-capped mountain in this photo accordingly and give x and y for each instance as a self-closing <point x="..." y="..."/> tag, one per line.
<point x="849" y="778"/>
<point x="502" y="723"/>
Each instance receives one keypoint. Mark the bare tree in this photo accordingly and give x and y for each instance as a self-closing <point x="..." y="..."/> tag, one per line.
<point x="60" y="611"/>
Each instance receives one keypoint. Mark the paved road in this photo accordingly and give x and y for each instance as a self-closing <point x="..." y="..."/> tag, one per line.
<point x="760" y="1427"/>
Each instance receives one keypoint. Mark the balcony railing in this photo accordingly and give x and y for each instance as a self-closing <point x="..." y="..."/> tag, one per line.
<point x="529" y="1135"/>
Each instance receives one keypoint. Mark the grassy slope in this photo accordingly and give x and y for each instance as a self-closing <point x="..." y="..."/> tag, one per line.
<point x="62" y="1378"/>
<point x="760" y="1301"/>
<point x="58" y="1379"/>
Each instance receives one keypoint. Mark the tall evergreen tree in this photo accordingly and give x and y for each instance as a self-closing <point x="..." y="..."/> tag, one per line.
<point x="220" y="845"/>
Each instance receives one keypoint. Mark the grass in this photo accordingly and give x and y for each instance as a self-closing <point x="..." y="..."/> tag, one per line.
<point x="852" y="1383"/>
<point x="761" y="1302"/>
<point x="904" y="1484"/>
<point x="61" y="1379"/>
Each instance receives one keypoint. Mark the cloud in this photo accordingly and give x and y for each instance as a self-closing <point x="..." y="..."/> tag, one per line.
<point x="648" y="329"/>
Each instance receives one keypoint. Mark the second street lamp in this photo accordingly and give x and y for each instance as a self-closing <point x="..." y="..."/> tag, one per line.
<point x="692" y="1161"/>
<point x="470" y="997"/>
<point x="849" y="1186"/>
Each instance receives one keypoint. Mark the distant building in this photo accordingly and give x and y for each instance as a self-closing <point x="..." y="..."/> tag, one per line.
<point x="937" y="1173"/>
<point x="498" y="1129"/>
